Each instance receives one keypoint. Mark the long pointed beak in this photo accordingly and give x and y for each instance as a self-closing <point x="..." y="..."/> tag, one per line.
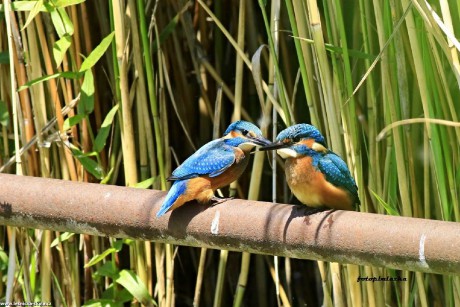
<point x="274" y="146"/>
<point x="260" y="140"/>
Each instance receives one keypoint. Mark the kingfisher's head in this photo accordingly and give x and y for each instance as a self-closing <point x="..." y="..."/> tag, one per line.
<point x="244" y="135"/>
<point x="298" y="140"/>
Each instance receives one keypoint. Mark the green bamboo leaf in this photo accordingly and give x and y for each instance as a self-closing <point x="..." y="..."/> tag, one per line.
<point x="66" y="22"/>
<point x="121" y="295"/>
<point x="62" y="237"/>
<point x="38" y="6"/>
<point x="388" y="208"/>
<point x="169" y="28"/>
<point x="135" y="286"/>
<point x="3" y="260"/>
<point x="127" y="241"/>
<point x="118" y="245"/>
<point x="101" y="256"/>
<point x="97" y="53"/>
<point x="89" y="154"/>
<point x="4" y="114"/>
<point x="146" y="183"/>
<point x="103" y="133"/>
<point x="107" y="177"/>
<point x="61" y="21"/>
<point x="66" y="74"/>
<point x="72" y="121"/>
<point x="107" y="270"/>
<point x="60" y="48"/>
<point x="23" y="6"/>
<point x="65" y="3"/>
<point x="88" y="164"/>
<point x="117" y="294"/>
<point x="86" y="104"/>
<point x="104" y="302"/>
<point x="91" y="166"/>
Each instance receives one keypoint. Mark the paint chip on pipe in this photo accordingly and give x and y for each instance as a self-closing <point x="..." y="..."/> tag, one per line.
<point x="215" y="223"/>
<point x="421" y="252"/>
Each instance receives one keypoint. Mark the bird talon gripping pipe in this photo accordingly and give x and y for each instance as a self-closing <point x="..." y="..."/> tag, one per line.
<point x="316" y="175"/>
<point x="215" y="165"/>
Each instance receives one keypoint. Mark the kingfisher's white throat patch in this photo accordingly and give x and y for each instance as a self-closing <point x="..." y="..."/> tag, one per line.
<point x="287" y="153"/>
<point x="246" y="146"/>
<point x="318" y="147"/>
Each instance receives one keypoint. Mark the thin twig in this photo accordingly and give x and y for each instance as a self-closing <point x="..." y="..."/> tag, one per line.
<point x="444" y="122"/>
<point x="46" y="128"/>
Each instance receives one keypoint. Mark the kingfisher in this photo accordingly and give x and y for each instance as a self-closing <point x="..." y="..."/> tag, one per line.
<point x="213" y="166"/>
<point x="316" y="176"/>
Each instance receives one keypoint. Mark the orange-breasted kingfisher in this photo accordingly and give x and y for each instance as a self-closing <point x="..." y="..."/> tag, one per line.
<point x="213" y="166"/>
<point x="316" y="176"/>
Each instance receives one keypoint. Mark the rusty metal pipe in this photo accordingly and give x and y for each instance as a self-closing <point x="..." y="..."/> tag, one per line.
<point x="238" y="225"/>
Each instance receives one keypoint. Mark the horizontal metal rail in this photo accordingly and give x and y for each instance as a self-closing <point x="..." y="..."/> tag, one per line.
<point x="237" y="225"/>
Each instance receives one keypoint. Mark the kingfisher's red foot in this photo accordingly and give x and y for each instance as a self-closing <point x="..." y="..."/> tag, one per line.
<point x="309" y="210"/>
<point x="217" y="200"/>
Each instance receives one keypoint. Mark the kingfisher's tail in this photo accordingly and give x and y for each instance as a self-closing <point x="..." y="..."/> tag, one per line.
<point x="177" y="189"/>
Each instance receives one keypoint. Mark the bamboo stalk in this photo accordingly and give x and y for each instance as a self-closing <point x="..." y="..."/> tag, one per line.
<point x="127" y="132"/>
<point x="54" y="94"/>
<point x="220" y="278"/>
<point x="151" y="91"/>
<point x="283" y="296"/>
<point x="160" y="274"/>
<point x="20" y="45"/>
<point x="199" y="277"/>
<point x="12" y="237"/>
<point x="239" y="63"/>
<point x="141" y="102"/>
<point x="332" y="119"/>
<point x="337" y="290"/>
<point x="299" y="26"/>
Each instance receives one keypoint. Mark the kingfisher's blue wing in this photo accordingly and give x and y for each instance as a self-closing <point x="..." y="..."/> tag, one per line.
<point x="212" y="159"/>
<point x="337" y="173"/>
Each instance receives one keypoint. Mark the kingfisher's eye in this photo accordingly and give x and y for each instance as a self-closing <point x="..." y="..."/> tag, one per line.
<point x="244" y="132"/>
<point x="296" y="139"/>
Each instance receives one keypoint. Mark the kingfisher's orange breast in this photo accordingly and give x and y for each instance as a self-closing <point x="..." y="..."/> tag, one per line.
<point x="311" y="188"/>
<point x="233" y="172"/>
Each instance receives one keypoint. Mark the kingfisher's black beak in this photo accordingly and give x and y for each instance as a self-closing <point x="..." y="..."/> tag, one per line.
<point x="274" y="146"/>
<point x="259" y="140"/>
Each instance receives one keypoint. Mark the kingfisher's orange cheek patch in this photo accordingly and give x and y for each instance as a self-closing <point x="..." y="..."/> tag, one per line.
<point x="287" y="141"/>
<point x="307" y="142"/>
